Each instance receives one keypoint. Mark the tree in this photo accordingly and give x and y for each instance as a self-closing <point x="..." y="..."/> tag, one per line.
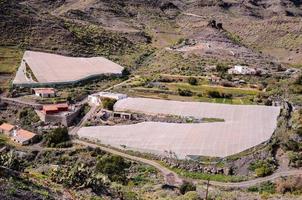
<point x="108" y="103"/>
<point x="125" y="72"/>
<point x="187" y="187"/>
<point x="185" y="92"/>
<point x="222" y="68"/>
<point x="214" y="94"/>
<point x="57" y="137"/>
<point x="114" y="167"/>
<point x="192" y="81"/>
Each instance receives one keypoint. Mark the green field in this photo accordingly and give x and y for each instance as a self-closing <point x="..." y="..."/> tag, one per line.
<point x="206" y="88"/>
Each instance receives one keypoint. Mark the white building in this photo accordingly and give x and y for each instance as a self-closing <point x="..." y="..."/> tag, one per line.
<point x="244" y="70"/>
<point x="44" y="92"/>
<point x="96" y="99"/>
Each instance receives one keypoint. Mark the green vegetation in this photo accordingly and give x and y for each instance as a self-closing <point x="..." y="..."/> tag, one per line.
<point x="192" y="81"/>
<point x="11" y="161"/>
<point x="185" y="92"/>
<point x="79" y="176"/>
<point x="114" y="167"/>
<point x="57" y="138"/>
<point x="295" y="159"/>
<point x="263" y="167"/>
<point x="266" y="187"/>
<point x="222" y="68"/>
<point x="187" y="187"/>
<point x="3" y="140"/>
<point x="29" y="73"/>
<point x="212" y="177"/>
<point x="27" y="117"/>
<point x="108" y="103"/>
<point x="125" y="72"/>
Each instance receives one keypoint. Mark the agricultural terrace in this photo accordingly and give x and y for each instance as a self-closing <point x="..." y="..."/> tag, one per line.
<point x="244" y="127"/>
<point x="44" y="68"/>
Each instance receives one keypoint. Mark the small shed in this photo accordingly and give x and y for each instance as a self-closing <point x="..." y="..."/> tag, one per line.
<point x="6" y="129"/>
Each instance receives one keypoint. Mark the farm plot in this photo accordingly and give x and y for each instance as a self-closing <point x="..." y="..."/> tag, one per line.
<point x="244" y="127"/>
<point x="45" y="68"/>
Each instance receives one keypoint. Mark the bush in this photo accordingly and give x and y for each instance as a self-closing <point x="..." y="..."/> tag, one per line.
<point x="57" y="137"/>
<point x="295" y="159"/>
<point x="187" y="187"/>
<point x="108" y="103"/>
<point x="125" y="72"/>
<point x="222" y="68"/>
<point x="114" y="167"/>
<point x="263" y="167"/>
<point x="214" y="94"/>
<point x="266" y="187"/>
<point x="185" y="92"/>
<point x="292" y="185"/>
<point x="192" y="81"/>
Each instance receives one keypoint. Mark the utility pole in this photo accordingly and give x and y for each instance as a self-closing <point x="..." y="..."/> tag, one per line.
<point x="207" y="191"/>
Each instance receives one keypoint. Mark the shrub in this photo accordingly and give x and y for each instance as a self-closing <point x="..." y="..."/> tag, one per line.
<point x="57" y="137"/>
<point x="295" y="159"/>
<point x="222" y="68"/>
<point x="185" y="92"/>
<point x="192" y="81"/>
<point x="266" y="187"/>
<point x="291" y="184"/>
<point x="187" y="187"/>
<point x="263" y="167"/>
<point x="214" y="94"/>
<point x="108" y="103"/>
<point x="125" y="72"/>
<point x="114" y="167"/>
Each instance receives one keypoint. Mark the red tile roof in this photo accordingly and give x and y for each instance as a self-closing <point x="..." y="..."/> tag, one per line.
<point x="24" y="135"/>
<point x="7" y="127"/>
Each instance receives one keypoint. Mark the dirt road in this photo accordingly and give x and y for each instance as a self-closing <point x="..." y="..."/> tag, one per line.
<point x="174" y="179"/>
<point x="171" y="177"/>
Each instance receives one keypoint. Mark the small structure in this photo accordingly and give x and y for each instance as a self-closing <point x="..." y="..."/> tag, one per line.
<point x="244" y="70"/>
<point x="44" y="92"/>
<point x="6" y="129"/>
<point x="59" y="113"/>
<point x="96" y="99"/>
<point x="55" y="108"/>
<point x="23" y="137"/>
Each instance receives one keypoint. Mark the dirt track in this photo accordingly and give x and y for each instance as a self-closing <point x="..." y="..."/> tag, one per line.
<point x="174" y="179"/>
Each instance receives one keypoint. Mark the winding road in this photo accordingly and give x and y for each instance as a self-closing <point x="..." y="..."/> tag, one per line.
<point x="173" y="179"/>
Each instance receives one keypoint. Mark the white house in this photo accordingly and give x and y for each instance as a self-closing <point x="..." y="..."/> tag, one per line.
<point x="244" y="70"/>
<point x="44" y="92"/>
<point x="96" y="99"/>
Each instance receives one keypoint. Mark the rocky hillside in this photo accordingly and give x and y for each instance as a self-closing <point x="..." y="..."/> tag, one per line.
<point x="106" y="27"/>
